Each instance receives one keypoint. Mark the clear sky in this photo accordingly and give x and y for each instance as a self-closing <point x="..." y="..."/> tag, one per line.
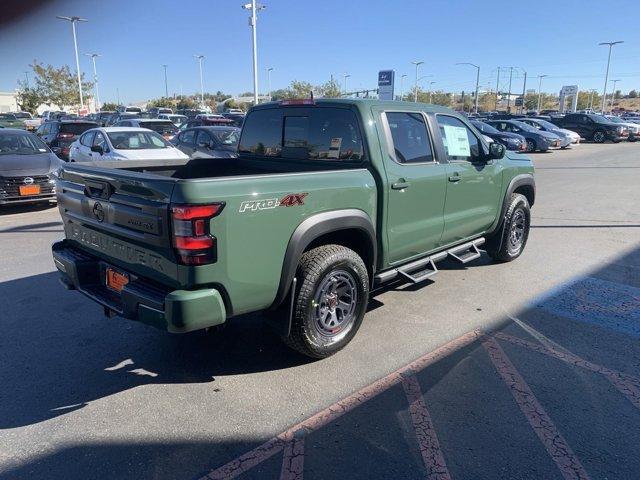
<point x="310" y="40"/>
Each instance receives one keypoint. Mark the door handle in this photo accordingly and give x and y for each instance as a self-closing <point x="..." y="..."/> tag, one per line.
<point x="400" y="185"/>
<point x="455" y="178"/>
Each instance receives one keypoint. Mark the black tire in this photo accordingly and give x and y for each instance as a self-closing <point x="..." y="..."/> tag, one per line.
<point x="531" y="145"/>
<point x="511" y="239"/>
<point x="328" y="276"/>
<point x="599" y="136"/>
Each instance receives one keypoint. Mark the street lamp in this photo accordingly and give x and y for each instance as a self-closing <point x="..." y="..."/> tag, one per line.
<point x="269" y="70"/>
<point x="200" y="58"/>
<point x="606" y="77"/>
<point x="345" y="76"/>
<point x="613" y="94"/>
<point x="254" y="8"/>
<point x="402" y="86"/>
<point x="591" y="98"/>
<point x="477" y="82"/>
<point x="95" y="78"/>
<point x="415" y="93"/>
<point x="430" y="91"/>
<point x="540" y="77"/>
<point x="166" y="87"/>
<point x="73" y="21"/>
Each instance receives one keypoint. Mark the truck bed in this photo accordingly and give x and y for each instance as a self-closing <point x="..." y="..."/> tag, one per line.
<point x="213" y="168"/>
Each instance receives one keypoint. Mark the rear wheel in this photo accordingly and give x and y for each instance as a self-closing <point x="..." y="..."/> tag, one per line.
<point x="510" y="244"/>
<point x="599" y="136"/>
<point x="331" y="301"/>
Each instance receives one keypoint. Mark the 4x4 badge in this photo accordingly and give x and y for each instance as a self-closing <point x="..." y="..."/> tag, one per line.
<point x="289" y="200"/>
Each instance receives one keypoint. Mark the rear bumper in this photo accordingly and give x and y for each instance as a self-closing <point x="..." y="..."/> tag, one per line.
<point x="176" y="311"/>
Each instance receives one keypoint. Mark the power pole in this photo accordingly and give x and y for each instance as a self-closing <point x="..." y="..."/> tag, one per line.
<point x="166" y="88"/>
<point x="497" y="88"/>
<point x="540" y="77"/>
<point x="524" y="91"/>
<point x="509" y="95"/>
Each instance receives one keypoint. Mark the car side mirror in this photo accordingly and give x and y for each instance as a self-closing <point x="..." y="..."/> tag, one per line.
<point x="496" y="151"/>
<point x="97" y="149"/>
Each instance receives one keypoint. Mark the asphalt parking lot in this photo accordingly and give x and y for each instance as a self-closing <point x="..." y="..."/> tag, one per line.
<point x="513" y="371"/>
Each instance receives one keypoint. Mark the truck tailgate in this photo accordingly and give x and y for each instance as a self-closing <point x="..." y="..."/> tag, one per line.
<point x="117" y="214"/>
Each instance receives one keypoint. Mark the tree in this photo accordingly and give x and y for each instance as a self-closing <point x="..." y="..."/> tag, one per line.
<point x="300" y="89"/>
<point x="633" y="94"/>
<point x="107" y="107"/>
<point x="186" y="103"/>
<point x="162" y="102"/>
<point x="330" y="89"/>
<point x="58" y="85"/>
<point x="281" y="94"/>
<point x="617" y="95"/>
<point x="28" y="99"/>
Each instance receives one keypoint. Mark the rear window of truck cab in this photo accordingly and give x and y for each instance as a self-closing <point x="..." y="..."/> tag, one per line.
<point x="316" y="133"/>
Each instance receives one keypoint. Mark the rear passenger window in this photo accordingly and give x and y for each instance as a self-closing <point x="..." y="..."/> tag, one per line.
<point x="313" y="134"/>
<point x="188" y="137"/>
<point x="87" y="138"/>
<point x="459" y="142"/>
<point x="411" y="142"/>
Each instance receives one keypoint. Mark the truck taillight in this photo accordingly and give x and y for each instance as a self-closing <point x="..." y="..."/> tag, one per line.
<point x="192" y="238"/>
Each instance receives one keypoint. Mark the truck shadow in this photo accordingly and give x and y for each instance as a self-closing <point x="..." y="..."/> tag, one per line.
<point x="59" y="352"/>
<point x="25" y="208"/>
<point x="462" y="390"/>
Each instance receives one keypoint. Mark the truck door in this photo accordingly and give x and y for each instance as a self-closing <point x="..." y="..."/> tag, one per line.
<point x="473" y="182"/>
<point x="416" y="186"/>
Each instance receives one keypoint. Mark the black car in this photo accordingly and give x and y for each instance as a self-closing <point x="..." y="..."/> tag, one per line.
<point x="208" y="142"/>
<point x="512" y="141"/>
<point x="592" y="127"/>
<point x="27" y="168"/>
<point x="238" y="118"/>
<point x="118" y="117"/>
<point x="59" y="135"/>
<point x="102" y="117"/>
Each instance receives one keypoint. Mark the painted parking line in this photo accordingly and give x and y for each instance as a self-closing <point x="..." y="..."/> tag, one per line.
<point x="557" y="447"/>
<point x="275" y="445"/>
<point x="626" y="384"/>
<point x="599" y="302"/>
<point x="425" y="431"/>
<point x="293" y="458"/>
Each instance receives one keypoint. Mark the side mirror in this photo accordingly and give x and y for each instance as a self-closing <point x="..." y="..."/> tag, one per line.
<point x="97" y="149"/>
<point x="496" y="151"/>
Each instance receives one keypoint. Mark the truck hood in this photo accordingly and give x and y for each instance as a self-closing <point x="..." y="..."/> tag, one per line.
<point x="22" y="165"/>
<point x="151" y="154"/>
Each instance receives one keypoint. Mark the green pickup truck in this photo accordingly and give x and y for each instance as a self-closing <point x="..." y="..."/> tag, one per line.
<point x="327" y="201"/>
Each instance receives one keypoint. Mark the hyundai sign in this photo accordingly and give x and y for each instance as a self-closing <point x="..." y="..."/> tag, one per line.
<point x="385" y="84"/>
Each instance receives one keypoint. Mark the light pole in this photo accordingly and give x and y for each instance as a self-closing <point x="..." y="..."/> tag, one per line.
<point x="200" y="58"/>
<point x="540" y="77"/>
<point x="402" y="77"/>
<point x="166" y="86"/>
<point x="254" y="8"/>
<point x="606" y="76"/>
<point x="73" y="21"/>
<point x="475" y="107"/>
<point x="524" y="91"/>
<point x="613" y="95"/>
<point x="509" y="94"/>
<point x="269" y="70"/>
<point x="95" y="78"/>
<point x="430" y="91"/>
<point x="591" y="99"/>
<point x="497" y="88"/>
<point x="415" y="87"/>
<point x="345" y="76"/>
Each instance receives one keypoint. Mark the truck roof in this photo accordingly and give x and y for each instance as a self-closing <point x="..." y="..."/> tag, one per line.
<point x="364" y="103"/>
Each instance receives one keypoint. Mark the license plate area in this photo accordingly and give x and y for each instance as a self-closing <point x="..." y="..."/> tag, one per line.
<point x="115" y="279"/>
<point x="26" y="190"/>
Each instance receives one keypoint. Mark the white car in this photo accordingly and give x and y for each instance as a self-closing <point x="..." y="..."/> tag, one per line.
<point x="573" y="136"/>
<point x="122" y="143"/>
<point x="166" y="128"/>
<point x="174" y="118"/>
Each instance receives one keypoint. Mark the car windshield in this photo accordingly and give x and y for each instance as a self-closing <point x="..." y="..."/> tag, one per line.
<point x="137" y="140"/>
<point x="598" y="118"/>
<point x="226" y="137"/>
<point x="7" y="116"/>
<point x="23" y="115"/>
<point x="485" y="127"/>
<point x="524" y="126"/>
<point x="547" y="125"/>
<point x="162" y="128"/>
<point x="12" y="143"/>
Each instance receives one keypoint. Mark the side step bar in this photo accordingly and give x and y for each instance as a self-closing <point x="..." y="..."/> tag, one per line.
<point x="424" y="268"/>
